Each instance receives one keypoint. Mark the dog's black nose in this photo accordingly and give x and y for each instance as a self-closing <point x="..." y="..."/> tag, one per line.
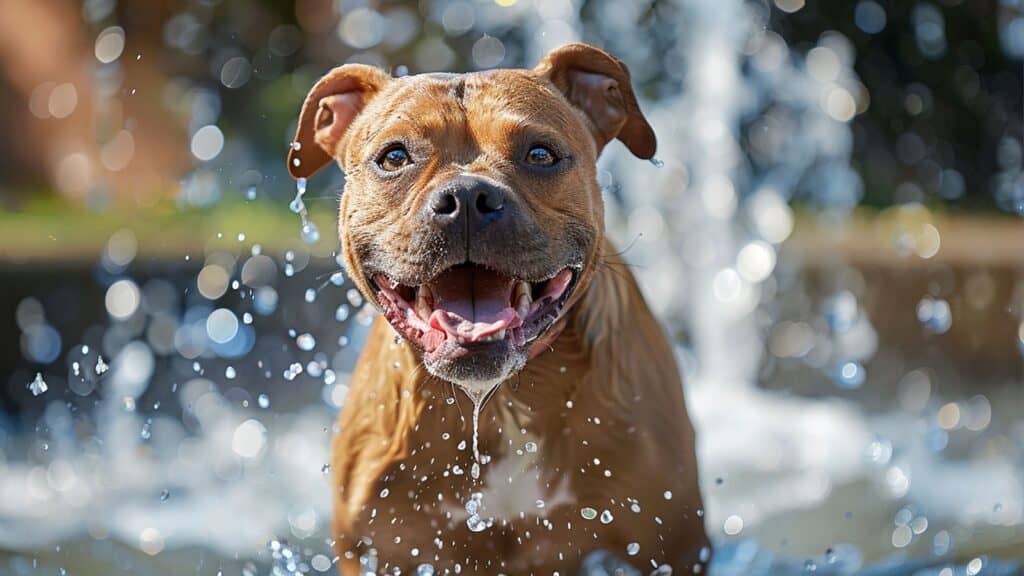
<point x="467" y="197"/>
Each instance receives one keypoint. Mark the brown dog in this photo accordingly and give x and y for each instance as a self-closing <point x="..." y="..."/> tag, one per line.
<point x="472" y="217"/>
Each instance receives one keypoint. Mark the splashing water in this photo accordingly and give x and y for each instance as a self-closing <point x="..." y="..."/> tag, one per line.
<point x="101" y="366"/>
<point x="474" y="506"/>
<point x="309" y="230"/>
<point x="38" y="386"/>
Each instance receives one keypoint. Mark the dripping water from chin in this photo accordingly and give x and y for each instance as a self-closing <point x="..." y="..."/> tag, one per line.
<point x="474" y="506"/>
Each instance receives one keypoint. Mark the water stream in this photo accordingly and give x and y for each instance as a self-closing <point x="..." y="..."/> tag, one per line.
<point x="474" y="506"/>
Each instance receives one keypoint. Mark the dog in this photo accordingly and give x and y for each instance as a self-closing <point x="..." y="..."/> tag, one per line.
<point x="517" y="409"/>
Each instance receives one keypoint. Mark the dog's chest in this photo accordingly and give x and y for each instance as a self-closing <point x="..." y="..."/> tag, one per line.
<point x="426" y="507"/>
<point x="518" y="479"/>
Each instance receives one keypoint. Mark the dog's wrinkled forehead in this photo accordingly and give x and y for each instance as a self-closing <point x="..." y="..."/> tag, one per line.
<point x="491" y="107"/>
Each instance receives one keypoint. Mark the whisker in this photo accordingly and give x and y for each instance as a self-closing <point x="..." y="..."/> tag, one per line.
<point x="308" y="198"/>
<point x="628" y="246"/>
<point x="457" y="405"/>
<point x="329" y="273"/>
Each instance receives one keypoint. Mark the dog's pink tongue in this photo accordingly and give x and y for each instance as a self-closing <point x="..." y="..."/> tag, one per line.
<point x="472" y="303"/>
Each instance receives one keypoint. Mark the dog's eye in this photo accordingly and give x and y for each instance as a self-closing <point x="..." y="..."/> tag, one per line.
<point x="541" y="156"/>
<point x="394" y="158"/>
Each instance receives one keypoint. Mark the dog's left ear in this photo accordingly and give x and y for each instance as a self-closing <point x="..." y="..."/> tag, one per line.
<point x="598" y="84"/>
<point x="330" y="107"/>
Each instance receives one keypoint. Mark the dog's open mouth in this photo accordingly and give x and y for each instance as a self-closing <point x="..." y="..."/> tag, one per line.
<point x="469" y="305"/>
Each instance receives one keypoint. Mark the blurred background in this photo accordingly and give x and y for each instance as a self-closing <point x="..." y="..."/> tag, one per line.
<point x="832" y="233"/>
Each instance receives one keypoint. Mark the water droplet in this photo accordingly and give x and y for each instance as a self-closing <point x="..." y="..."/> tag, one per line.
<point x="38" y="386"/>
<point x="165" y="495"/>
<point x="314" y="369"/>
<point x="531" y="447"/>
<point x="424" y="570"/>
<point x="337" y="278"/>
<point x="384" y="493"/>
<point x="230" y="373"/>
<point x="849" y="375"/>
<point x="310" y="295"/>
<point x="101" y="366"/>
<point x="247" y="318"/>
<point x="667" y="495"/>
<point x="588" y="513"/>
<point x="294" y="370"/>
<point x="606" y="517"/>
<point x="305" y="342"/>
<point x="310" y="233"/>
<point x="296" y="146"/>
<point x="263" y="400"/>
<point x="250" y="193"/>
<point x="658" y="163"/>
<point x="633" y="548"/>
<point x="354" y="297"/>
<point x="476" y="524"/>
<point x="934" y="315"/>
<point x="341" y="314"/>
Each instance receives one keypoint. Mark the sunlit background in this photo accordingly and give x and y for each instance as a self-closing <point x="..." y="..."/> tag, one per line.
<point x="831" y="231"/>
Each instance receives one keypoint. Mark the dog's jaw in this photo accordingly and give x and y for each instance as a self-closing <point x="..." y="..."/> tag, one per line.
<point x="474" y="327"/>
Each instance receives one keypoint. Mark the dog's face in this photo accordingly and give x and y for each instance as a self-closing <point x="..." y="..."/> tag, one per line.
<point x="471" y="213"/>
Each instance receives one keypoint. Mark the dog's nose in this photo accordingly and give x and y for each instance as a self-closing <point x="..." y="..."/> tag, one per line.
<point x="469" y="198"/>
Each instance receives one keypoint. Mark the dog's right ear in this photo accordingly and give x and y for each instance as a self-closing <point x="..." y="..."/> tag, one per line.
<point x="330" y="107"/>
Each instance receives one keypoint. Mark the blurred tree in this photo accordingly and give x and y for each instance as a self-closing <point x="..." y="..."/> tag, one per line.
<point x="109" y="98"/>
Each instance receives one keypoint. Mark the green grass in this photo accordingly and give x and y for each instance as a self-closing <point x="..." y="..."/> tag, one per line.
<point x="48" y="230"/>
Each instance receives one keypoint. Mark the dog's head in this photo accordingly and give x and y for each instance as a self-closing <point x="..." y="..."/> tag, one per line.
<point x="471" y="213"/>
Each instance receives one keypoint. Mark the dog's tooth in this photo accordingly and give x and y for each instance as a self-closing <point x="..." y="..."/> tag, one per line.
<point x="522" y="288"/>
<point x="522" y="298"/>
<point x="423" y="296"/>
<point x="495" y="337"/>
<point x="523" y="305"/>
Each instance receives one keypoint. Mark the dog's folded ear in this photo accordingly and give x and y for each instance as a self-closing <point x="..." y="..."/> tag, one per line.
<point x="599" y="85"/>
<point x="330" y="107"/>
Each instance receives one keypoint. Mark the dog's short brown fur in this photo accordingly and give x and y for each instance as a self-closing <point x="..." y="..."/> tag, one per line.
<point x="589" y="415"/>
